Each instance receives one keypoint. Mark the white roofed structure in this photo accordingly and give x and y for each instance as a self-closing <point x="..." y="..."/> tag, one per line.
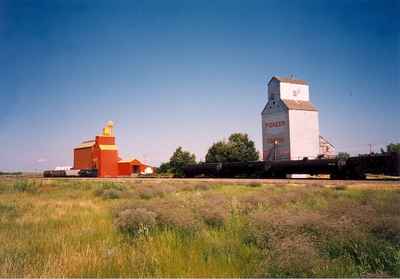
<point x="290" y="124"/>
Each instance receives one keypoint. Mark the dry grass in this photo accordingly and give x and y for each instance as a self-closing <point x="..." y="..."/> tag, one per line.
<point x="91" y="228"/>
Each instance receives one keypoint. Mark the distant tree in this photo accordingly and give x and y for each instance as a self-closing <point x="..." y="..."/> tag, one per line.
<point x="238" y="148"/>
<point x="392" y="147"/>
<point x="164" y="168"/>
<point x="179" y="160"/>
<point x="343" y="155"/>
<point x="218" y="152"/>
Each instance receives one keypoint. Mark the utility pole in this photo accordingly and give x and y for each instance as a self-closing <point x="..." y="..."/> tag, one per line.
<point x="275" y="149"/>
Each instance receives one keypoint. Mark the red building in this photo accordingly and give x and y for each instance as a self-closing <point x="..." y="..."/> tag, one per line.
<point x="133" y="166"/>
<point x="102" y="154"/>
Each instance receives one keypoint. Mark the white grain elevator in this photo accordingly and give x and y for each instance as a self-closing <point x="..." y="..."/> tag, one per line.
<point x="290" y="125"/>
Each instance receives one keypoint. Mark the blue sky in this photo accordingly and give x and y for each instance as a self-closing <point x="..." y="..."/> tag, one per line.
<point x="189" y="73"/>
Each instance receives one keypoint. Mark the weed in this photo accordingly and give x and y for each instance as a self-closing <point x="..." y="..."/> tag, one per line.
<point x="388" y="228"/>
<point x="135" y="221"/>
<point x="111" y="194"/>
<point x="148" y="193"/>
<point x="7" y="211"/>
<point x="153" y="191"/>
<point x="340" y="187"/>
<point x="369" y="254"/>
<point x="222" y="230"/>
<point x="202" y="187"/>
<point x="23" y="185"/>
<point x="254" y="185"/>
<point x="214" y="217"/>
<point x="110" y="190"/>
<point x="172" y="215"/>
<point x="293" y="256"/>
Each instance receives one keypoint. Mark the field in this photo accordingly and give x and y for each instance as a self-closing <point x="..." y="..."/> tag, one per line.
<point x="191" y="228"/>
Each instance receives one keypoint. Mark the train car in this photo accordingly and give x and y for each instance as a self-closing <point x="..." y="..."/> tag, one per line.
<point x="55" y="173"/>
<point x="70" y="173"/>
<point x="351" y="168"/>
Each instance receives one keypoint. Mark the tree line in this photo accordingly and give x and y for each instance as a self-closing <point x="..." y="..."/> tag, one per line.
<point x="238" y="148"/>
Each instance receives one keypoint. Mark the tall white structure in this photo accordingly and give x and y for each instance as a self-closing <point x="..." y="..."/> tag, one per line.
<point x="290" y="125"/>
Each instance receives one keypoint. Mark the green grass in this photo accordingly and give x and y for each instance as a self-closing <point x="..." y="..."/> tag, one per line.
<point x="70" y="228"/>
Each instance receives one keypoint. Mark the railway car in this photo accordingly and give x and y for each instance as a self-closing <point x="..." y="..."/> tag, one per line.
<point x="71" y="173"/>
<point x="351" y="168"/>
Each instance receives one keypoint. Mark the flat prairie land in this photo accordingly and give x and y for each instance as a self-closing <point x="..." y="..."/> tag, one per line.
<point x="198" y="228"/>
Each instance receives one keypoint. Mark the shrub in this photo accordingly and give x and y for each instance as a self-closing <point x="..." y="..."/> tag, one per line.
<point x="254" y="201"/>
<point x="135" y="221"/>
<point x="387" y="228"/>
<point x="113" y="185"/>
<point x="214" y="209"/>
<point x="340" y="187"/>
<point x="172" y="214"/>
<point x="111" y="194"/>
<point x="110" y="190"/>
<point x="266" y="226"/>
<point x="202" y="187"/>
<point x="293" y="256"/>
<point x="370" y="255"/>
<point x="25" y="186"/>
<point x="149" y="192"/>
<point x="7" y="211"/>
<point x="346" y="215"/>
<point x="254" y="185"/>
<point x="214" y="216"/>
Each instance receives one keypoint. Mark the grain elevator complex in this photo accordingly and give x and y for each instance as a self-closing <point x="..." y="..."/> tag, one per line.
<point x="101" y="154"/>
<point x="290" y="123"/>
<point x="290" y="132"/>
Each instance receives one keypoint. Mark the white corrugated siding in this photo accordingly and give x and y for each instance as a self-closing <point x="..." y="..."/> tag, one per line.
<point x="304" y="134"/>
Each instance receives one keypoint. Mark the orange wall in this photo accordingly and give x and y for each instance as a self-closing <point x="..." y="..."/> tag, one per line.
<point x="108" y="163"/>
<point x="83" y="158"/>
<point x="106" y="160"/>
<point x="105" y="140"/>
<point x="124" y="169"/>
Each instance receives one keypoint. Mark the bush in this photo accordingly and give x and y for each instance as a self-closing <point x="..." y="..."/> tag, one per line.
<point x="173" y="214"/>
<point x="340" y="187"/>
<point x="257" y="200"/>
<point x="370" y="255"/>
<point x="135" y="221"/>
<point x="25" y="186"/>
<point x="197" y="187"/>
<point x="254" y="185"/>
<point x="264" y="227"/>
<point x="202" y="187"/>
<point x="388" y="228"/>
<point x="111" y="194"/>
<point x="214" y="216"/>
<point x="149" y="192"/>
<point x="168" y="214"/>
<point x="7" y="211"/>
<point x="293" y="256"/>
<point x="214" y="209"/>
<point x="110" y="190"/>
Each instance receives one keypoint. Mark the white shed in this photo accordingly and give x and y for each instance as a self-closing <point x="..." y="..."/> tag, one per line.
<point x="290" y="124"/>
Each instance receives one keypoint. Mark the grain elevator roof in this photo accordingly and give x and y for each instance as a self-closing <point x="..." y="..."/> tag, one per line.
<point x="288" y="80"/>
<point x="86" y="144"/>
<point x="299" y="105"/>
